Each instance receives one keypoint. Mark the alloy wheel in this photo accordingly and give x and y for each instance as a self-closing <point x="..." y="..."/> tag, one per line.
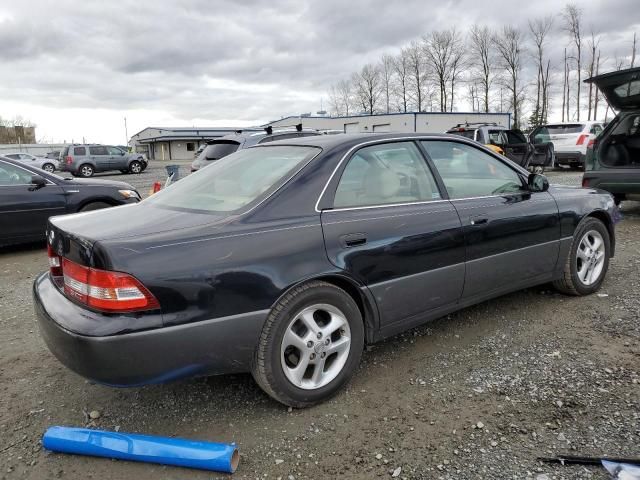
<point x="315" y="346"/>
<point x="48" y="168"/>
<point x="590" y="257"/>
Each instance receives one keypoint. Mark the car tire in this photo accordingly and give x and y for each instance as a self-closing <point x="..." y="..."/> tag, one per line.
<point x="95" y="206"/>
<point x="135" y="167"/>
<point x="49" y="167"/>
<point x="86" y="170"/>
<point x="331" y="349"/>
<point x="588" y="257"/>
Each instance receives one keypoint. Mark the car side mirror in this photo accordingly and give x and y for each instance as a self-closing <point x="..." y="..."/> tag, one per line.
<point x="537" y="183"/>
<point x="37" y="181"/>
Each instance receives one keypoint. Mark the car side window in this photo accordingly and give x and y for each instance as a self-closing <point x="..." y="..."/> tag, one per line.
<point x="12" y="175"/>
<point x="114" y="151"/>
<point x="469" y="172"/>
<point x="383" y="174"/>
<point x="13" y="156"/>
<point x="79" y="151"/>
<point x="595" y="130"/>
<point x="98" y="150"/>
<point x="514" y="136"/>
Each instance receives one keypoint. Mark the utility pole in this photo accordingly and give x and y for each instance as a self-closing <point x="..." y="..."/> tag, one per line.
<point x="126" y="135"/>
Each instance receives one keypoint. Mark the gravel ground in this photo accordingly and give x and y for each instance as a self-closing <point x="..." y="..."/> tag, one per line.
<point x="478" y="394"/>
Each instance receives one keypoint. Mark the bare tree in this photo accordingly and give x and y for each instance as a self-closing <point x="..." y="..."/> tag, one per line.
<point x="564" y="84"/>
<point x="482" y="51"/>
<point x="593" y="47"/>
<point x="596" y="99"/>
<point x="508" y="44"/>
<point x="335" y="102"/>
<point x="368" y="87"/>
<point x="438" y="48"/>
<point x="401" y="67"/>
<point x="573" y="25"/>
<point x="539" y="29"/>
<point x="633" y="50"/>
<point x="345" y="93"/>
<point x="457" y="64"/>
<point x="417" y="67"/>
<point x="386" y="72"/>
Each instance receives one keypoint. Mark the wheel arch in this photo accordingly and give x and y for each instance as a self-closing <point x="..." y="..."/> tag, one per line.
<point x="90" y="200"/>
<point x="605" y="218"/>
<point x="359" y="293"/>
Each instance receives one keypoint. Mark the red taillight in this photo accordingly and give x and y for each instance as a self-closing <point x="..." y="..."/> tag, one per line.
<point x="55" y="262"/>
<point x="585" y="182"/>
<point x="104" y="290"/>
<point x="68" y="159"/>
<point x="581" y="139"/>
<point x="591" y="143"/>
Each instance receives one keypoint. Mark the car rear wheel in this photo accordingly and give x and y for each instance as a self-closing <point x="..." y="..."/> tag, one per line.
<point x="310" y="345"/>
<point x="95" y="206"/>
<point x="49" y="167"/>
<point x="588" y="260"/>
<point x="135" y="167"/>
<point x="86" y="170"/>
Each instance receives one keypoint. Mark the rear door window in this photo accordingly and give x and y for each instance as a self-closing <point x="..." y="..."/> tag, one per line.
<point x="385" y="174"/>
<point x="79" y="151"/>
<point x="98" y="150"/>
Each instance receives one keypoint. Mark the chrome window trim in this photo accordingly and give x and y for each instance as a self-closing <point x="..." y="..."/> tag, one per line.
<point x="416" y="139"/>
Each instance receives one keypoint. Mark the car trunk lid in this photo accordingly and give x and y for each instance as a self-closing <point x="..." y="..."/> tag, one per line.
<point x="620" y="88"/>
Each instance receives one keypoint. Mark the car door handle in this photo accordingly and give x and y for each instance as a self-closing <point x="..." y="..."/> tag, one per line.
<point x="353" y="240"/>
<point x="478" y="221"/>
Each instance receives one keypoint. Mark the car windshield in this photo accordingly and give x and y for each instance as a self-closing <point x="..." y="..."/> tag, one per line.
<point x="236" y="180"/>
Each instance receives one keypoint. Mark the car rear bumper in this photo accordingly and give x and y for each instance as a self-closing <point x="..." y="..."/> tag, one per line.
<point x="569" y="158"/>
<point x="616" y="181"/>
<point x="222" y="345"/>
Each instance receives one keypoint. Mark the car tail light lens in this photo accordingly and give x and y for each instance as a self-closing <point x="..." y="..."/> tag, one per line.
<point x="105" y="290"/>
<point x="591" y="143"/>
<point x="585" y="182"/>
<point x="582" y="139"/>
<point x="68" y="159"/>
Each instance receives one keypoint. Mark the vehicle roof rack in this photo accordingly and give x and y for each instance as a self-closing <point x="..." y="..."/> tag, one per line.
<point x="469" y="124"/>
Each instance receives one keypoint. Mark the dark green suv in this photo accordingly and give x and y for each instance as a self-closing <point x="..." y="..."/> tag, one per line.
<point x="613" y="161"/>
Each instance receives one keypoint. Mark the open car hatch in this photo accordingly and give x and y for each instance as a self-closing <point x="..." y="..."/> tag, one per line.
<point x="621" y="88"/>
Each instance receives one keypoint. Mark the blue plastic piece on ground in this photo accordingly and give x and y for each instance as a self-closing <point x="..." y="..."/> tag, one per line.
<point x="217" y="457"/>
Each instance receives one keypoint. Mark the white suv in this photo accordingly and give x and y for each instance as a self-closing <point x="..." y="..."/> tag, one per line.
<point x="570" y="140"/>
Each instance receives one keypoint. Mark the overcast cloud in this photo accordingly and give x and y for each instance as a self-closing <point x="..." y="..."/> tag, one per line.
<point x="77" y="68"/>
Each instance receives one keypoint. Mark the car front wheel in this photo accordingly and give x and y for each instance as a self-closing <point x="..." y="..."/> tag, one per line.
<point x="588" y="259"/>
<point x="310" y="345"/>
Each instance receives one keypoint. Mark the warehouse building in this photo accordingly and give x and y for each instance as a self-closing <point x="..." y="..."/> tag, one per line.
<point x="431" y="122"/>
<point x="160" y="143"/>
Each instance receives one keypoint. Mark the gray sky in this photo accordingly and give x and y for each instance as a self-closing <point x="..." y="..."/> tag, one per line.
<point x="76" y="67"/>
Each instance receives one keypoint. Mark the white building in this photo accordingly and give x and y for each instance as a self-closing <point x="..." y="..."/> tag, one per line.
<point x="431" y="122"/>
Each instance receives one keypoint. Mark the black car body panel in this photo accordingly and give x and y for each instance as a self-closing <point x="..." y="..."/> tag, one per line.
<point x="212" y="273"/>
<point x="25" y="208"/>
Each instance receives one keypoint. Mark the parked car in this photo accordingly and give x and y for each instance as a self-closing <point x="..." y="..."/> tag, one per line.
<point x="570" y="140"/>
<point x="47" y="164"/>
<point x="53" y="155"/>
<point x="613" y="161"/>
<point x="287" y="258"/>
<point x="29" y="196"/>
<point x="219" y="148"/>
<point x="509" y="142"/>
<point x="85" y="160"/>
<point x="199" y="150"/>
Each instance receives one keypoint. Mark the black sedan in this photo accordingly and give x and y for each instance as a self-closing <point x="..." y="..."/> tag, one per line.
<point x="286" y="259"/>
<point x="29" y="196"/>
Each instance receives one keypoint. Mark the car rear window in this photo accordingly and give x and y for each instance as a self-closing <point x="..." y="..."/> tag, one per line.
<point x="219" y="149"/>
<point x="463" y="133"/>
<point x="236" y="180"/>
<point x="79" y="151"/>
<point x="561" y="129"/>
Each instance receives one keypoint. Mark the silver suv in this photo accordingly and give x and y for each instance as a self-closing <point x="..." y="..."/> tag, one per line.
<point x="83" y="160"/>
